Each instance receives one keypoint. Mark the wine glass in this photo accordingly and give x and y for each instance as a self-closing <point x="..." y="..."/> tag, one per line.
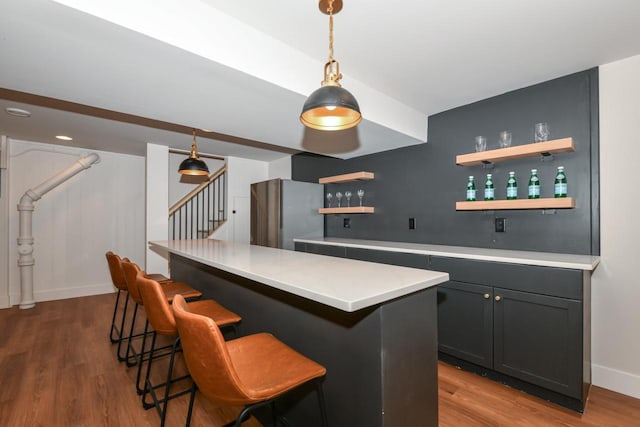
<point x="541" y="132"/>
<point x="339" y="197"/>
<point x="347" y="194"/>
<point x="360" y="194"/>
<point x="504" y="140"/>
<point x="329" y="197"/>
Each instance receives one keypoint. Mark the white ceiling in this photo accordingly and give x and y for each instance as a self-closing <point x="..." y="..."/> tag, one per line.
<point x="244" y="68"/>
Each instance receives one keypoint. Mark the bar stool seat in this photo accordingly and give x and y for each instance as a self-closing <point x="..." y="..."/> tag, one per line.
<point x="160" y="278"/>
<point x="250" y="371"/>
<point x="178" y="288"/>
<point x="267" y="368"/>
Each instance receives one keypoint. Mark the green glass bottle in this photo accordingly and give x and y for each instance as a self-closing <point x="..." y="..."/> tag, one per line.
<point x="534" y="185"/>
<point x="512" y="187"/>
<point x="560" y="184"/>
<point x="489" y="191"/>
<point x="471" y="190"/>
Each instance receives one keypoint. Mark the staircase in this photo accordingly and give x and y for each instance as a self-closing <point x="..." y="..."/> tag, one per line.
<point x="201" y="212"/>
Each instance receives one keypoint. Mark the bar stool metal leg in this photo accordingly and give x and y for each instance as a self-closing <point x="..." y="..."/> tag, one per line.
<point x="113" y="319"/>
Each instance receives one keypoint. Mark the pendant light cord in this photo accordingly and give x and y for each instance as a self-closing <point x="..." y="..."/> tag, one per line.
<point x="330" y="10"/>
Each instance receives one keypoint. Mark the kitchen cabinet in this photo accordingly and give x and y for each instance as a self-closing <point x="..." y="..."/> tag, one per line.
<point x="525" y="322"/>
<point x="535" y="338"/>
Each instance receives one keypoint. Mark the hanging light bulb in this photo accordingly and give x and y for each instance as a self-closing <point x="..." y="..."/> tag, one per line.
<point x="331" y="107"/>
<point x="192" y="165"/>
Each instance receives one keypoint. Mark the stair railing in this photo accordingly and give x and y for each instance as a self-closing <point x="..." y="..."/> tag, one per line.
<point x="202" y="211"/>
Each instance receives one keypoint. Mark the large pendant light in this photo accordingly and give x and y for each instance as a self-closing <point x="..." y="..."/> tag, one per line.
<point x="192" y="165"/>
<point x="331" y="107"/>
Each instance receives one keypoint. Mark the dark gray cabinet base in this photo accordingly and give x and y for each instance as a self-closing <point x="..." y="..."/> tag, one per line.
<point x="527" y="323"/>
<point x="526" y="326"/>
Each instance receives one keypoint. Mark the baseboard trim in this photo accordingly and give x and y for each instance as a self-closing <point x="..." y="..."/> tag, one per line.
<point x="66" y="293"/>
<point x="615" y="380"/>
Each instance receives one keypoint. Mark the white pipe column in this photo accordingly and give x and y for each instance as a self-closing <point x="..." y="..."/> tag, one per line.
<point x="25" y="236"/>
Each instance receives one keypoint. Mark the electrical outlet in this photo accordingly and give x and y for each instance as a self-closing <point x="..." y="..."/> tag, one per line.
<point x="412" y="223"/>
<point x="346" y="222"/>
<point x="501" y="225"/>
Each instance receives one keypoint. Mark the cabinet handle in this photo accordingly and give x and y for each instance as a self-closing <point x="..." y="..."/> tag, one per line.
<point x="487" y="296"/>
<point x="498" y="298"/>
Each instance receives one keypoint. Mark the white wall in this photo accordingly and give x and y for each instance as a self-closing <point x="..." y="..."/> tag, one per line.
<point x="100" y="209"/>
<point x="157" y="211"/>
<point x="615" y="283"/>
<point x="241" y="173"/>
<point x="280" y="168"/>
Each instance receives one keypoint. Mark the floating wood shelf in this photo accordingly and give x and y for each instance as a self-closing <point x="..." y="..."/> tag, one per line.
<point x="490" y="205"/>
<point x="352" y="209"/>
<point x="564" y="145"/>
<point x="355" y="176"/>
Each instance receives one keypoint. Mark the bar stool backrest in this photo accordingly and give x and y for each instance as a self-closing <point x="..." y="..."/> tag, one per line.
<point x="115" y="269"/>
<point x="156" y="305"/>
<point x="207" y="357"/>
<point x="130" y="270"/>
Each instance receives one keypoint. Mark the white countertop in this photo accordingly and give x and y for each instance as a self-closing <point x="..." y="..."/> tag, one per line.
<point x="345" y="284"/>
<point x="545" y="259"/>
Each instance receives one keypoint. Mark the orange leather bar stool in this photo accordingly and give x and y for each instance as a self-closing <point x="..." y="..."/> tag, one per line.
<point x="170" y="290"/>
<point x="251" y="371"/>
<point x="117" y="277"/>
<point x="163" y="322"/>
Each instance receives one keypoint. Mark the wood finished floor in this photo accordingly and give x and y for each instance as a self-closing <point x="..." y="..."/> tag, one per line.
<point x="58" y="368"/>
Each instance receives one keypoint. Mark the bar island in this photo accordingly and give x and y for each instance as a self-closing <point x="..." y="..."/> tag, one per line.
<point x="373" y="326"/>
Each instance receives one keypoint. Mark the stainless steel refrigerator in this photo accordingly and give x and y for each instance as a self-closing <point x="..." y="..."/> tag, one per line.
<point x="282" y="209"/>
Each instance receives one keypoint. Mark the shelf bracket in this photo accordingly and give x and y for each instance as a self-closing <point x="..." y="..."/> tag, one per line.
<point x="548" y="211"/>
<point x="546" y="157"/>
<point x="487" y="165"/>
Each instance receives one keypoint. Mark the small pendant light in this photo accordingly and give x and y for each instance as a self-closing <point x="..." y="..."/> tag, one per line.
<point x="331" y="107"/>
<point x="192" y="165"/>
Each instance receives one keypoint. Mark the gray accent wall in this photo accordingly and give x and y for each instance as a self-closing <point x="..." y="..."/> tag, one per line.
<point x="423" y="181"/>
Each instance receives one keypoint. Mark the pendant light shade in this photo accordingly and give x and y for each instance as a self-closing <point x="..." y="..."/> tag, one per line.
<point x="192" y="165"/>
<point x="331" y="107"/>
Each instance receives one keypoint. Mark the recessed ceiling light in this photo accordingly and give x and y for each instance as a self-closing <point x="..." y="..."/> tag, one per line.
<point x="64" y="137"/>
<point x="17" y="112"/>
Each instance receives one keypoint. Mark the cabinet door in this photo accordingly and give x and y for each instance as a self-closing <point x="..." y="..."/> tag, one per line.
<point x="465" y="322"/>
<point x="538" y="339"/>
